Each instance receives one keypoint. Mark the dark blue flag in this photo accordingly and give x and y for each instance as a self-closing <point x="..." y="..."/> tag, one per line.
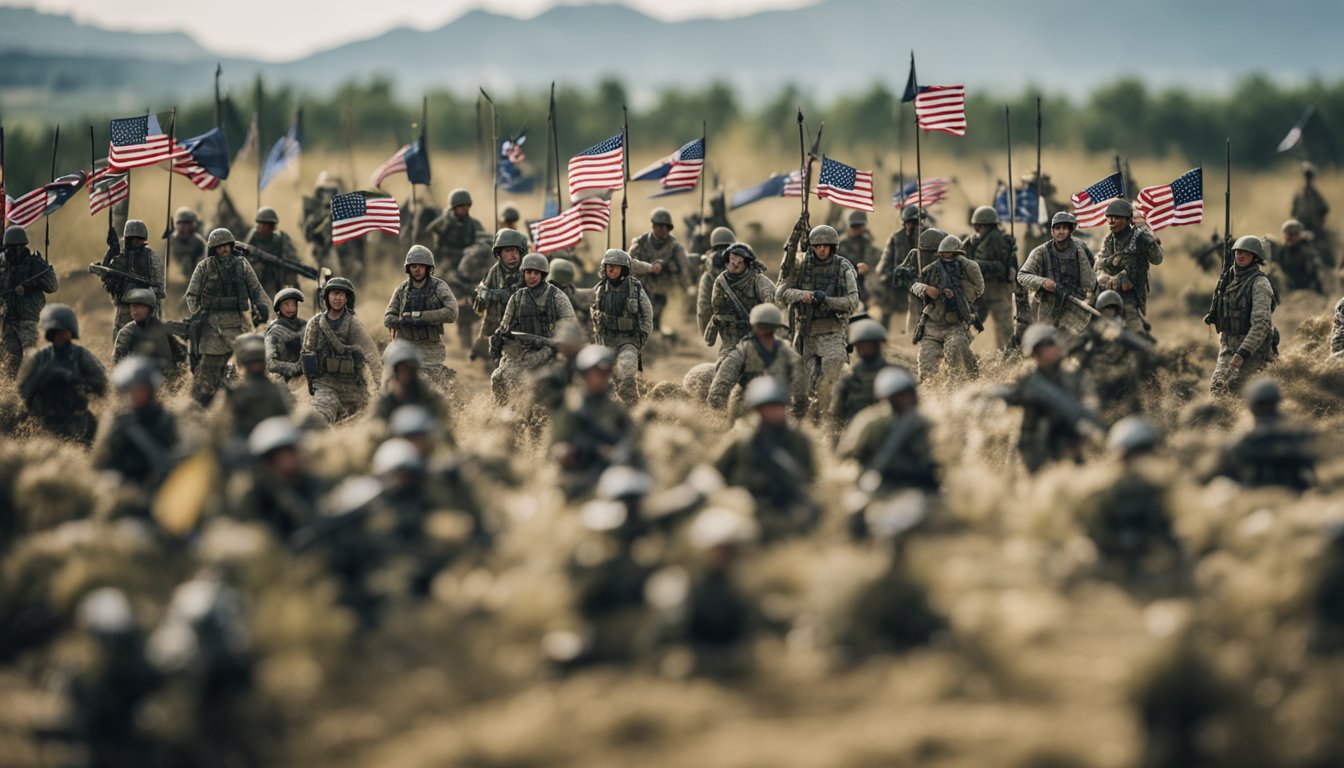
<point x="1027" y="208"/>
<point x="771" y="187"/>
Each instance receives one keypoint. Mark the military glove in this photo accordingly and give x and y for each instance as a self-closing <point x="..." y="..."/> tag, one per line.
<point x="818" y="296"/>
<point x="260" y="314"/>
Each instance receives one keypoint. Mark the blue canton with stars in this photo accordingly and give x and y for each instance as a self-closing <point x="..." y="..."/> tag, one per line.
<point x="837" y="175"/>
<point x="1189" y="188"/>
<point x="1109" y="187"/>
<point x="134" y="130"/>
<point x="348" y="206"/>
<point x="613" y="143"/>
<point x="695" y="150"/>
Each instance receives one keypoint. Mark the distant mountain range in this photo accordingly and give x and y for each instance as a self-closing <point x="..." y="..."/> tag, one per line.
<point x="51" y="63"/>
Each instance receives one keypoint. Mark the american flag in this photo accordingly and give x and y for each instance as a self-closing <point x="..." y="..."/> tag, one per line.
<point x="108" y="188"/>
<point x="409" y="160"/>
<point x="46" y="199"/>
<point x="933" y="191"/>
<point x="679" y="170"/>
<point x="941" y="108"/>
<point x="208" y="160"/>
<point x="566" y="229"/>
<point x="793" y="184"/>
<point x="26" y="209"/>
<point x="600" y="167"/>
<point x="1173" y="205"/>
<point x="1090" y="204"/>
<point x="355" y="214"/>
<point x="845" y="186"/>
<point x="139" y="141"/>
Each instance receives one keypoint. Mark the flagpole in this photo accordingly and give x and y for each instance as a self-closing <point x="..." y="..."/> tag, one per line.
<point x="168" y="233"/>
<point x="46" y="237"/>
<point x="479" y="158"/>
<point x="704" y="171"/>
<point x="93" y="163"/>
<point x="1040" y="199"/>
<point x="219" y="111"/>
<point x="1121" y="174"/>
<point x="424" y="141"/>
<point x="555" y="151"/>
<point x="625" y="175"/>
<point x="260" y="144"/>
<point x="494" y="153"/>
<point x="1012" y="199"/>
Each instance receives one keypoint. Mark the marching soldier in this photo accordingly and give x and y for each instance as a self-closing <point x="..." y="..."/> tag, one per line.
<point x="671" y="272"/>
<point x="221" y="291"/>
<point x="282" y="492"/>
<point x="1310" y="208"/>
<point x="57" y="381"/>
<point x="336" y="351"/>
<point x="284" y="336"/>
<point x="821" y="293"/>
<point x="1054" y="423"/>
<point x="995" y="252"/>
<point x="949" y="287"/>
<point x="594" y="431"/>
<point x="497" y="287"/>
<point x="509" y="217"/>
<point x="1299" y="259"/>
<point x="1123" y="264"/>
<point x="418" y="310"/>
<point x="562" y="276"/>
<point x="1056" y="273"/>
<point x="739" y="289"/>
<point x="712" y="265"/>
<point x="188" y="245"/>
<point x="1243" y="315"/>
<point x="456" y="230"/>
<point x="535" y="310"/>
<point x="857" y="246"/>
<point x="854" y="392"/>
<point x="140" y="442"/>
<point x="134" y="258"/>
<point x="266" y="236"/>
<point x="762" y="353"/>
<point x="551" y="383"/>
<point x="1115" y="363"/>
<point x="146" y="335"/>
<point x="895" y="295"/>
<point x="1129" y="519"/>
<point x="25" y="281"/>
<point x="622" y="321"/>
<point x="255" y="397"/>
<point x="317" y="225"/>
<point x="407" y="387"/>
<point x="1274" y="452"/>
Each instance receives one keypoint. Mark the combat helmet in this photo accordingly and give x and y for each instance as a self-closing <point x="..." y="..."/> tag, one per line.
<point x="284" y="294"/>
<point x="661" y="216"/>
<point x="141" y="296"/>
<point x="135" y="228"/>
<point x="58" y="317"/>
<point x="743" y="250"/>
<point x="856" y="218"/>
<point x="510" y="213"/>
<point x="1064" y="217"/>
<point x="823" y="234"/>
<point x="340" y="284"/>
<point x="594" y="356"/>
<point x="271" y="435"/>
<point x="1292" y="227"/>
<point x="721" y="236"/>
<point x="412" y="420"/>
<point x="616" y="257"/>
<point x="1250" y="244"/>
<point x="1263" y="391"/>
<point x="419" y="254"/>
<point x="1109" y="299"/>
<point x="1120" y="207"/>
<point x="891" y="381"/>
<point x="1131" y="435"/>
<point x="136" y="370"/>
<point x="766" y="313"/>
<point x="764" y="390"/>
<point x="219" y="236"/>
<point x="1036" y="335"/>
<point x="397" y="454"/>
<point x="867" y="330"/>
<point x="563" y="271"/>
<point x="930" y="239"/>
<point x="510" y="238"/>
<point x="400" y="351"/>
<point x="16" y="235"/>
<point x="985" y="215"/>
<point x="951" y="244"/>
<point x="535" y="262"/>
<point x="267" y="215"/>
<point x="249" y="348"/>
<point x="185" y="214"/>
<point x="910" y="213"/>
<point x="459" y="197"/>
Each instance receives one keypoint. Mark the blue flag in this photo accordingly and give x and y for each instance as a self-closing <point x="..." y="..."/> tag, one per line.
<point x="210" y="150"/>
<point x="285" y="151"/>
<point x="1027" y="208"/>
<point x="771" y="187"/>
<point x="417" y="163"/>
<point x="510" y="177"/>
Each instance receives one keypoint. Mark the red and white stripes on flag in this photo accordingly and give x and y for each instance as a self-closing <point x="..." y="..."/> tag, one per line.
<point x="28" y="208"/>
<point x="931" y="192"/>
<point x="1173" y="205"/>
<point x="108" y="188"/>
<point x="597" y="169"/>
<point x="395" y="164"/>
<point x="793" y="184"/>
<point x="941" y="108"/>
<point x="566" y="229"/>
<point x="203" y="179"/>
<point x="140" y="141"/>
<point x="355" y="215"/>
<point x="845" y="185"/>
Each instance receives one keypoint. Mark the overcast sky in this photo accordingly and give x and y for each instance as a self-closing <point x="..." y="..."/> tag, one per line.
<point x="286" y="29"/>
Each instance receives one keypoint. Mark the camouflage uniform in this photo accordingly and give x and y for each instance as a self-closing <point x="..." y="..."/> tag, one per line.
<point x="895" y="299"/>
<point x="535" y="311"/>
<point x="599" y="432"/>
<point x="284" y="343"/>
<point x="1337" y="331"/>
<point x="1273" y="453"/>
<point x="1047" y="433"/>
<point x="1071" y="269"/>
<point x="943" y="334"/>
<point x="344" y="349"/>
<point x="675" y="277"/>
<point x="150" y="339"/>
<point x="1123" y="267"/>
<point x="623" y="320"/>
<point x="1115" y="370"/>
<point x="1302" y="266"/>
<point x="731" y="301"/>
<point x="452" y="237"/>
<point x="492" y="298"/>
<point x="714" y="264"/>
<point x="910" y="465"/>
<point x="253" y="400"/>
<point x="280" y="245"/>
<point x="854" y="392"/>
<point x="434" y="305"/>
<point x="56" y="385"/>
<point x="749" y="359"/>
<point x="995" y="252"/>
<point x="221" y="287"/>
<point x="776" y="466"/>
<point x="420" y="393"/>
<point x="476" y="263"/>
<point x="1244" y="318"/>
<point x="138" y="445"/>
<point x="823" y="347"/>
<point x="862" y="250"/>
<point x="189" y="251"/>
<point x="21" y="312"/>
<point x="142" y="262"/>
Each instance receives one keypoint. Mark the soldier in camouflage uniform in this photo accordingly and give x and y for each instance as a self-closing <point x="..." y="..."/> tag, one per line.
<point x="854" y="392"/>
<point x="1337" y="332"/>
<point x="535" y="309"/>
<point x="1054" y="422"/>
<point x="497" y="287"/>
<point x="895" y="295"/>
<point x="221" y="291"/>
<point x="57" y="381"/>
<point x="1057" y="270"/>
<point x="821" y="293"/>
<point x="284" y="336"/>
<point x="1243" y="315"/>
<point x="139" y="443"/>
<point x="1310" y="208"/>
<point x="476" y="263"/>
<point x="762" y="353"/>
<point x="550" y="384"/>
<point x="341" y="351"/>
<point x="944" y="330"/>
<point x="713" y="264"/>
<point x="995" y="252"/>
<point x="266" y="236"/>
<point x="1129" y="519"/>
<point x="1116" y="364"/>
<point x="407" y="387"/>
<point x="1123" y="264"/>
<point x="255" y="397"/>
<point x="25" y="281"/>
<point x="593" y="431"/>
<point x="857" y="246"/>
<point x="622" y="321"/>
<point x="671" y="272"/>
<point x="739" y="289"/>
<point x="137" y="259"/>
<point x="188" y="245"/>
<point x="456" y="230"/>
<point x="281" y="492"/>
<point x="418" y="310"/>
<point x="1299" y="259"/>
<point x="1274" y="452"/>
<point x="562" y="276"/>
<point x="147" y="336"/>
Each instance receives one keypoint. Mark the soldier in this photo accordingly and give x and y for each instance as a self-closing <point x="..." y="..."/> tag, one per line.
<point x="57" y="381"/>
<point x="1274" y="452"/>
<point x="281" y="492"/>
<point x="138" y="259"/>
<point x="854" y="392"/>
<point x="266" y="236"/>
<point x="894" y="298"/>
<point x="317" y="222"/>
<point x="1115" y="364"/>
<point x="497" y="287"/>
<point x="339" y="350"/>
<point x="762" y="353"/>
<point x="712" y="265"/>
<point x="407" y="387"/>
<point x="593" y="431"/>
<point x="509" y="217"/>
<point x="534" y="310"/>
<point x="1056" y="273"/>
<point x="25" y="281"/>
<point x="188" y="245"/>
<point x="1310" y="208"/>
<point x="1128" y="520"/>
<point x="1299" y="259"/>
<point x="739" y="289"/>
<point x="622" y="321"/>
<point x="1243" y="315"/>
<point x="140" y="443"/>
<point x="858" y="247"/>
<point x="456" y="230"/>
<point x="476" y="263"/>
<point x="1054" y="423"/>
<point x="773" y="463"/>
<point x="671" y="272"/>
<point x="581" y="299"/>
<point x="1337" y="332"/>
<point x="821" y="293"/>
<point x="418" y="310"/>
<point x="284" y="336"/>
<point x="255" y="397"/>
<point x="146" y="335"/>
<point x="222" y="289"/>
<point x="550" y="384"/>
<point x="995" y="252"/>
<point x="949" y="287"/>
<point x="1123" y="264"/>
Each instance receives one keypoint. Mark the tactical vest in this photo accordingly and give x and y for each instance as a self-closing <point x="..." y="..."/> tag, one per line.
<point x="64" y="398"/>
<point x="423" y="299"/>
<point x="1130" y="261"/>
<point x="1062" y="267"/>
<point x="151" y="339"/>
<point x="993" y="247"/>
<point x="253" y="401"/>
<point x="290" y="335"/>
<point x="828" y="276"/>
<point x="619" y="306"/>
<point x="29" y="305"/>
<point x="224" y="288"/>
<point x="137" y="262"/>
<point x="339" y="357"/>
<point x="537" y="317"/>
<point x="457" y="234"/>
<point x="757" y="362"/>
<point x="1272" y="454"/>
<point x="1234" y="306"/>
<point x="733" y="323"/>
<point x="859" y="386"/>
<point x="645" y="249"/>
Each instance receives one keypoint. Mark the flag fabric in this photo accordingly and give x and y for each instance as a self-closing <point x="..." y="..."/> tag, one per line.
<point x="771" y="187"/>
<point x="250" y="142"/>
<point x="140" y="141"/>
<point x="1295" y="133"/>
<point x="1090" y="204"/>
<point x="933" y="191"/>
<point x="26" y="209"/>
<point x="108" y="188"/>
<point x="509" y="174"/>
<point x="793" y="184"/>
<point x="599" y="168"/>
<point x="1173" y="205"/>
<point x="46" y="199"/>
<point x="1026" y="208"/>
<point x="937" y="107"/>
<point x="356" y="214"/>
<point x="4" y="199"/>
<point x="845" y="186"/>
<point x="284" y="152"/>
<point x="207" y="162"/>
<point x="566" y="229"/>
<point x="411" y="160"/>
<point x="679" y="170"/>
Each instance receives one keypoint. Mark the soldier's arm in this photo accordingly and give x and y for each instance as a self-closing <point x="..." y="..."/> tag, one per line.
<point x="1086" y="275"/>
<point x="92" y="372"/>
<point x="645" y="314"/>
<point x="798" y="381"/>
<point x="564" y="310"/>
<point x="1154" y="250"/>
<point x="156" y="276"/>
<point x="122" y="346"/>
<point x="640" y="268"/>
<point x="309" y="336"/>
<point x="785" y="293"/>
<point x="1028" y="276"/>
<point x="448" y="312"/>
<point x="47" y="283"/>
<point x="192" y="296"/>
<point x="274" y="365"/>
<point x="683" y="264"/>
<point x="510" y="314"/>
<point x="849" y="303"/>
<point x="1262" y="301"/>
<point x="920" y="287"/>
<point x="254" y="289"/>
<point x="1337" y="333"/>
<point x="729" y="371"/>
<point x="585" y="296"/>
<point x="704" y="306"/>
<point x="106" y="447"/>
<point x="976" y="279"/>
<point x="392" y="315"/>
<point x="28" y="378"/>
<point x="765" y="287"/>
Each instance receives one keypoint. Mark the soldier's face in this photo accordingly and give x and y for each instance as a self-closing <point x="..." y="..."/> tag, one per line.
<point x="289" y="308"/>
<point x="141" y="396"/>
<point x="224" y="251"/>
<point x="461" y="211"/>
<point x="856" y="230"/>
<point x="1244" y="258"/>
<point x="59" y="338"/>
<point x="773" y="414"/>
<point x="661" y="231"/>
<point x="532" y="278"/>
<point x="265" y="228"/>
<point x="909" y="226"/>
<point x="184" y="229"/>
<point x="1111" y="311"/>
<point x="736" y="264"/>
<point x="1046" y="355"/>
<point x="404" y="373"/>
<point x="595" y="380"/>
<point x="764" y="331"/>
<point x="419" y="272"/>
<point x="510" y="256"/>
<point x="1117" y="223"/>
<point x="135" y="242"/>
<point x="285" y="462"/>
<point x="139" y="312"/>
<point x="1061" y="233"/>
<point x="1291" y="237"/>
<point x="823" y="251"/>
<point x="336" y="299"/>
<point x="868" y="349"/>
<point x="981" y="229"/>
<point x="612" y="271"/>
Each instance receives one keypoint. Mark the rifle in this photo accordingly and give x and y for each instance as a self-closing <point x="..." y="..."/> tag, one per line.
<point x="24" y="283"/>
<point x="1037" y="390"/>
<point x="1215" y="306"/>
<point x="108" y="273"/>
<point x="962" y="306"/>
<point x="189" y="329"/>
<point x="532" y="339"/>
<point x="292" y="266"/>
<point x="309" y="364"/>
<point x="802" y="227"/>
<point x="357" y="498"/>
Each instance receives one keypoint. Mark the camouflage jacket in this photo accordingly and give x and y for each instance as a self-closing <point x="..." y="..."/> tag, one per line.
<point x="343" y="347"/>
<point x="966" y="279"/>
<point x="138" y="445"/>
<point x="749" y="359"/>
<point x="907" y="464"/>
<point x="253" y="400"/>
<point x="280" y="245"/>
<point x="142" y="262"/>
<point x="1310" y="208"/>
<point x="995" y="252"/>
<point x="56" y="382"/>
<point x="1337" y="331"/>
<point x="150" y="338"/>
<point x="419" y="313"/>
<point x="899" y="246"/>
<point x="536" y="311"/>
<point x="1072" y="272"/>
<point x="452" y="236"/>
<point x="421" y="393"/>
<point x="1124" y="262"/>
<point x="1245" y="312"/>
<point x="593" y="426"/>
<point x="493" y="294"/>
<point x="622" y="313"/>
<point x="1302" y="266"/>
<point x="676" y="270"/>
<point x="13" y="272"/>
<point x="836" y="278"/>
<point x="1273" y="452"/>
<point x="284" y="343"/>
<point x="854" y="391"/>
<point x="731" y="300"/>
<point x="859" y="250"/>
<point x="776" y="466"/>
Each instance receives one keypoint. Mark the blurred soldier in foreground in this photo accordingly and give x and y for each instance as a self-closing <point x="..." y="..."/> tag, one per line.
<point x="522" y="342"/>
<point x="1054" y="422"/>
<point x="25" y="280"/>
<point x="1303" y="268"/>
<point x="1128" y="520"/>
<point x="821" y="293"/>
<point x="762" y="353"/>
<point x="140" y="265"/>
<point x="857" y="246"/>
<point x="337" y="350"/>
<point x="189" y="247"/>
<point x="1274" y="452"/>
<point x="995" y="252"/>
<point x="671" y="273"/>
<point x="266" y="236"/>
<point x="221" y="291"/>
<point x="110" y="683"/>
<point x="456" y="230"/>
<point x="497" y="287"/>
<point x="854" y="392"/>
<point x="139" y="444"/>
<point x="1058" y="273"/>
<point x="57" y="381"/>
<point x="418" y="310"/>
<point x="281" y="492"/>
<point x="593" y="431"/>
<point x="406" y="386"/>
<point x="1116" y="364"/>
<point x="949" y="288"/>
<point x="1126" y="255"/>
<point x="256" y="397"/>
<point x="894" y="298"/>
<point x="622" y="321"/>
<point x="1242" y="313"/>
<point x="284" y="336"/>
<point x="736" y="292"/>
<point x="713" y="264"/>
<point x="550" y="383"/>
<point x="147" y="335"/>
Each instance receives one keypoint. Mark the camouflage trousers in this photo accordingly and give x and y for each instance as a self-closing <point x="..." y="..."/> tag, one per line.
<point x="432" y="357"/>
<point x="997" y="303"/>
<point x="516" y="365"/>
<point x="209" y="377"/>
<point x="626" y="374"/>
<point x="949" y="342"/>
<point x="1228" y="380"/>
<point x="19" y="336"/>
<point x="337" y="397"/>
<point x="824" y="359"/>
